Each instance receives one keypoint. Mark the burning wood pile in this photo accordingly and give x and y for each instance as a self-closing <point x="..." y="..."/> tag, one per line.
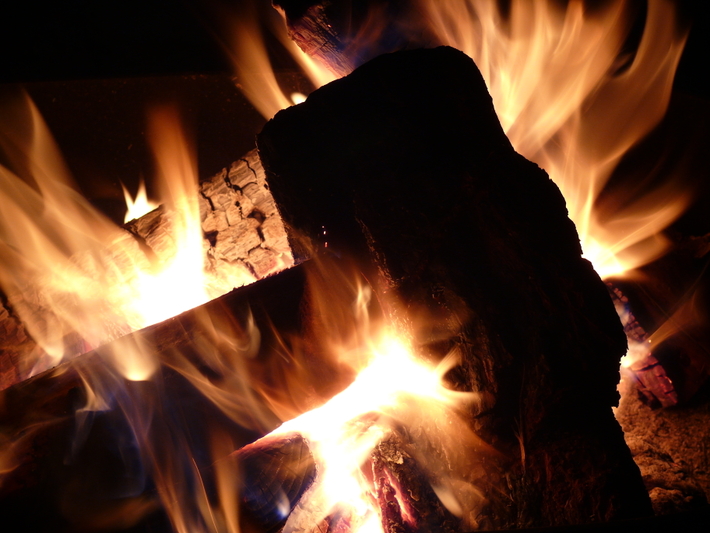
<point x="442" y="357"/>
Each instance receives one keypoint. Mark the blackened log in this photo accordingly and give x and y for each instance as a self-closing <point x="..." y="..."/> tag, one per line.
<point x="405" y="166"/>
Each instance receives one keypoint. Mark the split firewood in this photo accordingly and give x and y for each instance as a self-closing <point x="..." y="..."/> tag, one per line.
<point x="403" y="165"/>
<point x="244" y="241"/>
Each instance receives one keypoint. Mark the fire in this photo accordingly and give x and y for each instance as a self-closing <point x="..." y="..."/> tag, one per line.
<point x="246" y="34"/>
<point x="384" y="383"/>
<point x="76" y="279"/>
<point x="570" y="95"/>
<point x="568" y="98"/>
<point x="343" y="432"/>
<point x="138" y="206"/>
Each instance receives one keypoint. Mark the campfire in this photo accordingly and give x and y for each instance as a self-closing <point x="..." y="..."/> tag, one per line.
<point x="404" y="310"/>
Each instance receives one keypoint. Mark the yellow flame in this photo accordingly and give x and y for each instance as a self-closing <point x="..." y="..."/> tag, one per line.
<point x="568" y="103"/>
<point x="138" y="206"/>
<point x="567" y="93"/>
<point x="246" y="45"/>
<point x="389" y="384"/>
<point x="158" y="298"/>
<point x="75" y="279"/>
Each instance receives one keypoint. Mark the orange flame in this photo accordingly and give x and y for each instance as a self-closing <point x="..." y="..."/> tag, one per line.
<point x="382" y="381"/>
<point x="568" y="94"/>
<point x="570" y="100"/>
<point x="75" y="278"/>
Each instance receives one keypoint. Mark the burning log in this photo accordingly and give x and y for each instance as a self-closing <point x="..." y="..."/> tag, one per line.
<point x="404" y="165"/>
<point x="244" y="241"/>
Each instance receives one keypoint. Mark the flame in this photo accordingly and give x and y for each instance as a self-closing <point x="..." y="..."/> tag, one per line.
<point x="75" y="279"/>
<point x="395" y="384"/>
<point x="386" y="383"/>
<point x="565" y="101"/>
<point x="569" y="93"/>
<point x="138" y="206"/>
<point x="246" y="35"/>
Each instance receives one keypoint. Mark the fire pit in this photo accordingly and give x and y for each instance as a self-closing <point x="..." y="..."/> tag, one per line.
<point x="410" y="492"/>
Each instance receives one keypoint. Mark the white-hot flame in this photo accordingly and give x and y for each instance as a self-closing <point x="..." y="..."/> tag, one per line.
<point x="138" y="206"/>
<point x="392" y="387"/>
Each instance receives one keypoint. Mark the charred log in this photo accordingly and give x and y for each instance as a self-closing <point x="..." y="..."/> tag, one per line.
<point x="403" y="163"/>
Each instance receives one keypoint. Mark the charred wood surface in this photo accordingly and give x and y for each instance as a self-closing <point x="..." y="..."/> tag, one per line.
<point x="404" y="164"/>
<point x="244" y="241"/>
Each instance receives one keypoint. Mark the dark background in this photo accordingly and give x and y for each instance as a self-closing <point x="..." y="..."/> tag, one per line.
<point x="79" y="39"/>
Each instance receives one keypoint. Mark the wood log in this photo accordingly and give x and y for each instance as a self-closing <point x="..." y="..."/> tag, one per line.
<point x="42" y="468"/>
<point x="406" y="167"/>
<point x="244" y="241"/>
<point x="343" y="35"/>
